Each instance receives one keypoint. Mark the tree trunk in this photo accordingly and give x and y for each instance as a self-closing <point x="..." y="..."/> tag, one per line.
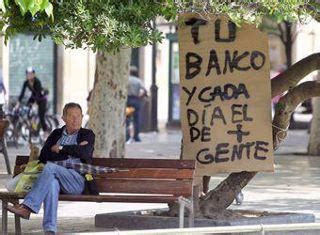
<point x="289" y="42"/>
<point x="314" y="140"/>
<point x="108" y="102"/>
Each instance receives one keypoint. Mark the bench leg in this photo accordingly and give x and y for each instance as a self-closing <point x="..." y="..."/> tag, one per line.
<point x="4" y="217"/>
<point x="181" y="214"/>
<point x="184" y="202"/>
<point x="191" y="214"/>
<point x="6" y="157"/>
<point x="17" y="224"/>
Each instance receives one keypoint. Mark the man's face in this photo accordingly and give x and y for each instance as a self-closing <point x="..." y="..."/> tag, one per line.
<point x="30" y="76"/>
<point x="73" y="119"/>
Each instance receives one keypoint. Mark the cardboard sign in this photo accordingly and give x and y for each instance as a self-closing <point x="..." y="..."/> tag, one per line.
<point x="225" y="95"/>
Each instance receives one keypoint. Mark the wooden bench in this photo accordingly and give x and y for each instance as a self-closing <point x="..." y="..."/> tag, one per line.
<point x="147" y="181"/>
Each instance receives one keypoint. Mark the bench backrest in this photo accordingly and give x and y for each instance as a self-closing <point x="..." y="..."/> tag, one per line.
<point x="145" y="176"/>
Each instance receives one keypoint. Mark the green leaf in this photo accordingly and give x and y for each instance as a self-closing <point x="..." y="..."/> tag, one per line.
<point x="44" y="4"/>
<point x="2" y="6"/>
<point x="34" y="6"/>
<point x="2" y="24"/>
<point x="23" y="5"/>
<point x="49" y="9"/>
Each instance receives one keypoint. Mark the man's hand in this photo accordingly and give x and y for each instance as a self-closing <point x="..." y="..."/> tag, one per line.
<point x="83" y="143"/>
<point x="55" y="148"/>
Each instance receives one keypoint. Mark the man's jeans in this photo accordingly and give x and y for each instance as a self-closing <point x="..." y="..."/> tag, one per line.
<point x="50" y="182"/>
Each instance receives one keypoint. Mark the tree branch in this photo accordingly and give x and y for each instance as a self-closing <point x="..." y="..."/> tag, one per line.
<point x="291" y="77"/>
<point x="287" y="104"/>
<point x="282" y="33"/>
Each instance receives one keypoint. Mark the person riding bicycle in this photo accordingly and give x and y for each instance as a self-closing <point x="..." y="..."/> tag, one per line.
<point x="38" y="96"/>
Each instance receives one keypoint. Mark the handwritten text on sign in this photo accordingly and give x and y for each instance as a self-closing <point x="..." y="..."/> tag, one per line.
<point x="225" y="96"/>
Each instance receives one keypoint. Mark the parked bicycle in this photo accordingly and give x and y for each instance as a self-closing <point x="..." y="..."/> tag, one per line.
<point x="25" y="125"/>
<point x="17" y="129"/>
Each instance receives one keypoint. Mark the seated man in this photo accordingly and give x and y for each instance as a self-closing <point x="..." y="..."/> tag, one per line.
<point x="70" y="143"/>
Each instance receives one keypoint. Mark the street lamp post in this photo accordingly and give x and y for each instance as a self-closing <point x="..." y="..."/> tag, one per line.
<point x="154" y="90"/>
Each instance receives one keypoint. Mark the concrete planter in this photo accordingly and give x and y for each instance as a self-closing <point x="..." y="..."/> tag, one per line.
<point x="133" y="220"/>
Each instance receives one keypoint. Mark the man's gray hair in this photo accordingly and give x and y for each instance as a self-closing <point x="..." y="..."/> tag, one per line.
<point x="69" y="106"/>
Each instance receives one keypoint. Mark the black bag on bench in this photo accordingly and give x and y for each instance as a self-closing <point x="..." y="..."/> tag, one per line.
<point x="90" y="186"/>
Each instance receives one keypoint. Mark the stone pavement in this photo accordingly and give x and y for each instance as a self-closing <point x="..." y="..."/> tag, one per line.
<point x="293" y="187"/>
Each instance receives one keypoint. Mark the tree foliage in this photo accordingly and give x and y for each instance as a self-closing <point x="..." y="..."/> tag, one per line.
<point x="99" y="24"/>
<point x="109" y="25"/>
<point x="253" y="11"/>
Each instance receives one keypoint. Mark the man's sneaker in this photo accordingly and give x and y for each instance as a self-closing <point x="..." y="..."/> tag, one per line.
<point x="130" y="141"/>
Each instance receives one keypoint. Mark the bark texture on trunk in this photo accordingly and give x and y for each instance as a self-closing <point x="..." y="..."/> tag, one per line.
<point x="314" y="139"/>
<point x="287" y="39"/>
<point x="108" y="102"/>
<point x="287" y="104"/>
<point x="220" y="198"/>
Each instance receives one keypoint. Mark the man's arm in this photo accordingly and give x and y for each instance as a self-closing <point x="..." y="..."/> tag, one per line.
<point x="84" y="150"/>
<point x="47" y="154"/>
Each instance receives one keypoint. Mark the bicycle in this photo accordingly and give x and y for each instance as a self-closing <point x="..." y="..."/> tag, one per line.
<point x="34" y="125"/>
<point x="17" y="129"/>
<point x="25" y="125"/>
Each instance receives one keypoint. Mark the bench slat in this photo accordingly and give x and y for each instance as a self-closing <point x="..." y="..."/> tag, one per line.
<point x="152" y="173"/>
<point x="101" y="198"/>
<point x="131" y="162"/>
<point x="119" y="198"/>
<point x="141" y="173"/>
<point x="174" y="187"/>
<point x="144" y="163"/>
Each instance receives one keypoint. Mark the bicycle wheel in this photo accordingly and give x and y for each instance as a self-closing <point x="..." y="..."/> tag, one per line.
<point x="25" y="130"/>
<point x="9" y="135"/>
<point x="38" y="131"/>
<point x="12" y="131"/>
<point x="49" y="124"/>
<point x="54" y="122"/>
